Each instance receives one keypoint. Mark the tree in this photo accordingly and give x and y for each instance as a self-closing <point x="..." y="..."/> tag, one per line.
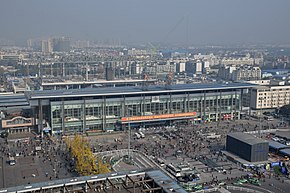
<point x="285" y="110"/>
<point x="85" y="159"/>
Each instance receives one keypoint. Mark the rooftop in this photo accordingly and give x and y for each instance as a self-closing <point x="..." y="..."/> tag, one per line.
<point x="277" y="145"/>
<point x="283" y="134"/>
<point x="95" y="82"/>
<point x="165" y="182"/>
<point x="133" y="90"/>
<point x="285" y="152"/>
<point x="247" y="138"/>
<point x="13" y="100"/>
<point x="126" y="181"/>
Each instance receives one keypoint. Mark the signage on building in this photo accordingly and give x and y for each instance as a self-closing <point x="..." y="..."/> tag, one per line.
<point x="18" y="122"/>
<point x="227" y="116"/>
<point x="275" y="164"/>
<point x="155" y="99"/>
<point x="152" y="117"/>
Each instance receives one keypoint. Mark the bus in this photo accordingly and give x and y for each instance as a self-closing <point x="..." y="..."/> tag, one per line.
<point x="141" y="134"/>
<point x="269" y="118"/>
<point x="173" y="170"/>
<point x="160" y="162"/>
<point x="137" y="135"/>
<point x="11" y="161"/>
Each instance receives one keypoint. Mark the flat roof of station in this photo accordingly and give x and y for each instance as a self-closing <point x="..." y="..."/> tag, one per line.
<point x="13" y="100"/>
<point x="110" y="91"/>
<point x="126" y="81"/>
<point x="247" y="138"/>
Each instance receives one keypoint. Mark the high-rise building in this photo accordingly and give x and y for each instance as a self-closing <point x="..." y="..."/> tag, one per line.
<point x="194" y="67"/>
<point x="46" y="46"/>
<point x="205" y="66"/>
<point x="198" y="67"/>
<point x="81" y="44"/>
<point x="61" y="44"/>
<point x="109" y="72"/>
<point x="189" y="67"/>
<point x="180" y="67"/>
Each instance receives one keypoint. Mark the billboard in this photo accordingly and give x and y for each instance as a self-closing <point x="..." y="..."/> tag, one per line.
<point x="153" y="117"/>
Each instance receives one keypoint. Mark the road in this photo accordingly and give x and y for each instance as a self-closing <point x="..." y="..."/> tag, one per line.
<point x="2" y="174"/>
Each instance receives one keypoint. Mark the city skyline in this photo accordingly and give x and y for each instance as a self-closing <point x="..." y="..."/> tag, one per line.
<point x="174" y="22"/>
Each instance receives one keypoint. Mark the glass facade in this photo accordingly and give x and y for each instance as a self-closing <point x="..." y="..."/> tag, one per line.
<point x="104" y="113"/>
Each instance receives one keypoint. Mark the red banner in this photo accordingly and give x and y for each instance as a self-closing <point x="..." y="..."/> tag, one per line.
<point x="151" y="117"/>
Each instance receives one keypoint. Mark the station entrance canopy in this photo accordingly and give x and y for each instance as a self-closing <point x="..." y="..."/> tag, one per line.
<point x="158" y="117"/>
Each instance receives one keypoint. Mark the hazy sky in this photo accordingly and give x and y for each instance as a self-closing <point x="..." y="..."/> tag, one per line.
<point x="173" y="21"/>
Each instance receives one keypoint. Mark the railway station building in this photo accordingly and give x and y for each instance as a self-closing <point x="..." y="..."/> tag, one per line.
<point x="99" y="109"/>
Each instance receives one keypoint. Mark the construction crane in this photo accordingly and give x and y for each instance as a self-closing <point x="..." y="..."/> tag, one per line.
<point x="153" y="49"/>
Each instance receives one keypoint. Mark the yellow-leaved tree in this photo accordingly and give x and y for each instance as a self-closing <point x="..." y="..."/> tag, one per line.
<point x="86" y="162"/>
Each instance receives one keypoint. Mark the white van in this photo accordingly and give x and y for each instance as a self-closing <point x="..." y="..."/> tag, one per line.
<point x="12" y="161"/>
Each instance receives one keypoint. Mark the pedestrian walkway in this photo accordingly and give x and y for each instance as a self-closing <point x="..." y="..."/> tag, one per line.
<point x="223" y="190"/>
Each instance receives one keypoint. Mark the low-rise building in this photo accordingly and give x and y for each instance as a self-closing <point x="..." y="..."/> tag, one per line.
<point x="269" y="96"/>
<point x="247" y="147"/>
<point x="247" y="73"/>
<point x="238" y="73"/>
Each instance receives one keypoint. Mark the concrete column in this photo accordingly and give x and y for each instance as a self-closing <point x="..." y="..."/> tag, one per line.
<point x="170" y="103"/>
<point x="240" y="103"/>
<point x="185" y="109"/>
<point x="220" y="106"/>
<point x="250" y="99"/>
<point x="104" y="112"/>
<point x="123" y="113"/>
<point x="84" y="114"/>
<point x="142" y="105"/>
<point x="201" y="107"/>
<point x="187" y="104"/>
<point x="204" y="104"/>
<point x="232" y="101"/>
<point x="62" y="117"/>
<point x="217" y="108"/>
<point x="34" y="118"/>
<point x="40" y="118"/>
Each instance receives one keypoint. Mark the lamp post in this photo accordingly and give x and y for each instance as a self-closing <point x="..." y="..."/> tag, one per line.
<point x="129" y="139"/>
<point x="129" y="133"/>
